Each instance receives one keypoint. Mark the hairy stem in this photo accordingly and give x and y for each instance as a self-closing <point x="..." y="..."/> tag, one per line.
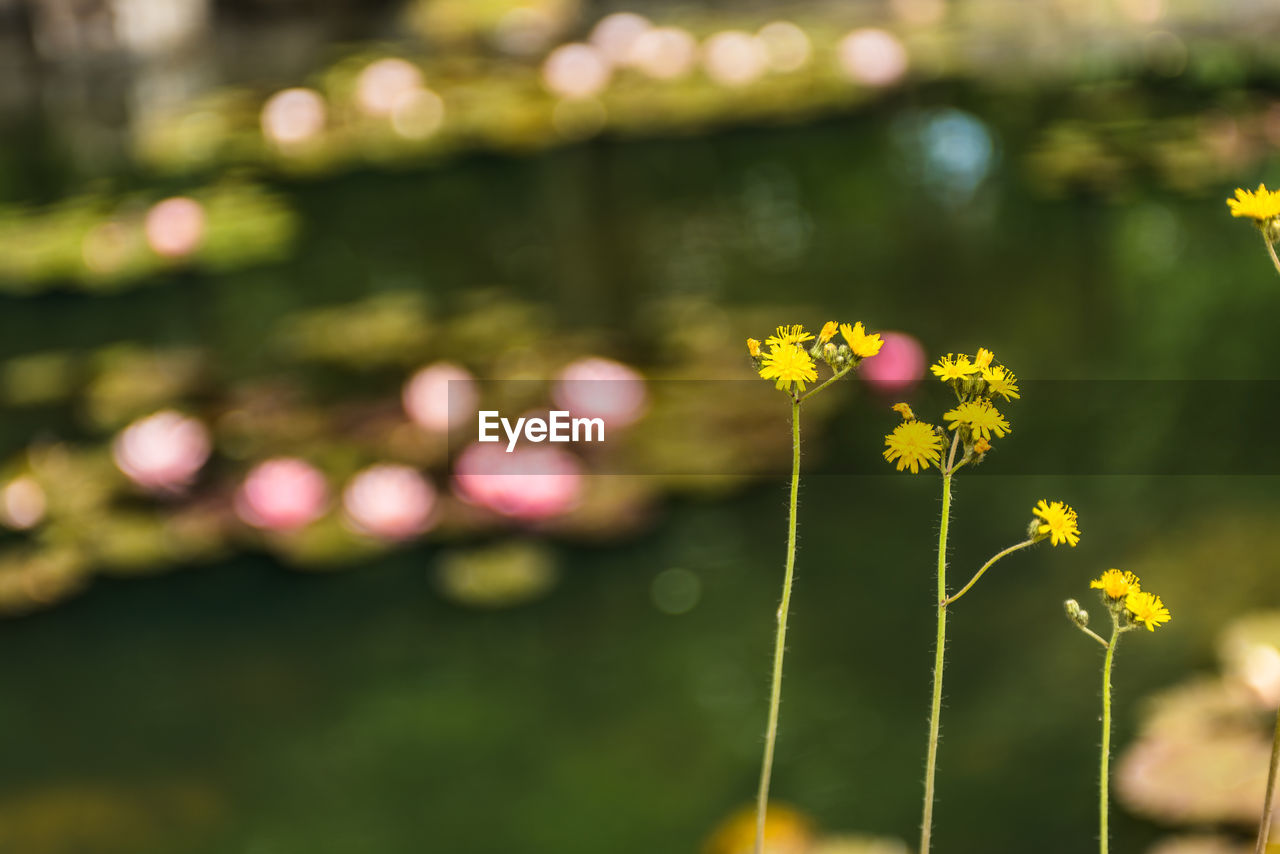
<point x="775" y="696"/>
<point x="986" y="566"/>
<point x="831" y="379"/>
<point x="1104" y="772"/>
<point x="1271" y="250"/>
<point x="935" y="713"/>
<point x="1268" y="805"/>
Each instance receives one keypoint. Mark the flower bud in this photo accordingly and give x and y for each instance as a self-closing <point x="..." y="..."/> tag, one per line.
<point x="1075" y="613"/>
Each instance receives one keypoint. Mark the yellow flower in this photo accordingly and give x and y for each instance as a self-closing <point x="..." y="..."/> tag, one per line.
<point x="1060" y="523"/>
<point x="1116" y="585"/>
<point x="1258" y="205"/>
<point x="828" y="331"/>
<point x="862" y="344"/>
<point x="982" y="361"/>
<point x="981" y="446"/>
<point x="788" y="363"/>
<point x="980" y="417"/>
<point x="949" y="369"/>
<point x="914" y="444"/>
<point x="1146" y="608"/>
<point x="793" y="334"/>
<point x="904" y="410"/>
<point x="1001" y="381"/>
<point x="753" y="347"/>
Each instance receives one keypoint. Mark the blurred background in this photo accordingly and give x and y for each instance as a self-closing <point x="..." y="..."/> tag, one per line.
<point x="261" y="261"/>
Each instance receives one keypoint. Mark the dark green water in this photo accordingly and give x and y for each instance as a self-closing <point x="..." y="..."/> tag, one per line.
<point x="243" y="707"/>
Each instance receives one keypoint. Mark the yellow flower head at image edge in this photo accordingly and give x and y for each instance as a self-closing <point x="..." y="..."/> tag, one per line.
<point x="863" y="345"/>
<point x="953" y="368"/>
<point x="914" y="444"/>
<point x="1058" y="522"/>
<point x="787" y="364"/>
<point x="1147" y="609"/>
<point x="980" y="417"/>
<point x="1258" y="205"/>
<point x="1116" y="585"/>
<point x="793" y="334"/>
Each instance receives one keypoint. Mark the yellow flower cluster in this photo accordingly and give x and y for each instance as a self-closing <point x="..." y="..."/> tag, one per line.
<point x="1139" y="606"/>
<point x="974" y="421"/>
<point x="1057" y="522"/>
<point x="790" y="365"/>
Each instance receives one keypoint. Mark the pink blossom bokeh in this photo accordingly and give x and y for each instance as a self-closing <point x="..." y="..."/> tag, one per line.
<point x="175" y="227"/>
<point x="391" y="502"/>
<point x="528" y="483"/>
<point x="898" y="366"/>
<point x="282" y="494"/>
<point x="601" y="388"/>
<point x="163" y="451"/>
<point x="440" y="396"/>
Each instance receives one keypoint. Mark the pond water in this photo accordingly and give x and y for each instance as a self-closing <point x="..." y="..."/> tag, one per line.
<point x="243" y="706"/>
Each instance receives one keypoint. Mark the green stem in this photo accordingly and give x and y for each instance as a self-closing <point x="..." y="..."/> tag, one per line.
<point x="837" y="375"/>
<point x="935" y="714"/>
<point x="1271" y="250"/>
<point x="1264" y="829"/>
<point x="1104" y="774"/>
<point x="986" y="566"/>
<point x="780" y="643"/>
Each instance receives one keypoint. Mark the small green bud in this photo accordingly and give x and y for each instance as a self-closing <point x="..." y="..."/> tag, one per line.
<point x="1075" y="613"/>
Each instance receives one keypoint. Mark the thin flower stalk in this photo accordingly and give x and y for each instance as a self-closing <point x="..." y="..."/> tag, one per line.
<point x="915" y="445"/>
<point x="1130" y="608"/>
<point x="1269" y="803"/>
<point x="784" y="360"/>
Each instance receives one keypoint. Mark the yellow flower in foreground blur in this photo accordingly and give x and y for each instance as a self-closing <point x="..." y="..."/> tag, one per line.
<point x="828" y="331"/>
<point x="862" y="344"/>
<point x="1115" y="584"/>
<point x="1058" y="522"/>
<point x="914" y="445"/>
<point x="1146" y="608"/>
<point x="1001" y="381"/>
<point x="793" y="334"/>
<point x="788" y="363"/>
<point x="956" y="368"/>
<point x="980" y="417"/>
<point x="753" y="347"/>
<point x="1258" y="205"/>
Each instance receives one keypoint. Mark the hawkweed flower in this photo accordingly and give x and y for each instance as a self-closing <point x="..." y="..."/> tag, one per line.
<point x="790" y="367"/>
<point x="1116" y="585"/>
<point x="1058" y="523"/>
<point x="793" y="334"/>
<point x="916" y="446"/>
<point x="1000" y="381"/>
<point x="979" y="417"/>
<point x="951" y="368"/>
<point x="1130" y="608"/>
<point x="864" y="346"/>
<point x="1262" y="207"/>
